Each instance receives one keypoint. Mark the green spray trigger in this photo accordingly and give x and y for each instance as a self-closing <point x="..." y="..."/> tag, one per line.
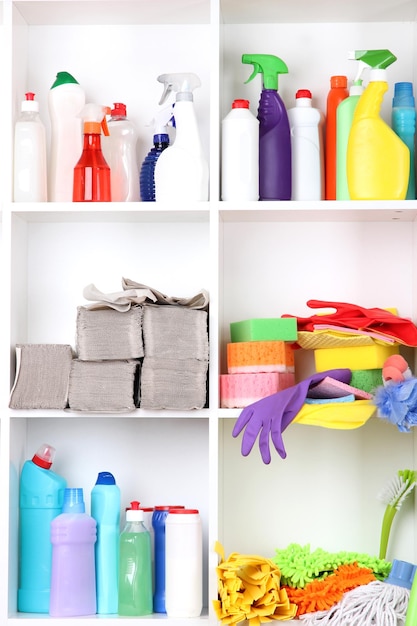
<point x="376" y="59"/>
<point x="267" y="64"/>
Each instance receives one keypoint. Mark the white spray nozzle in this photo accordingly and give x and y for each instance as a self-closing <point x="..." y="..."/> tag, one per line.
<point x="94" y="117"/>
<point x="162" y="119"/>
<point x="182" y="83"/>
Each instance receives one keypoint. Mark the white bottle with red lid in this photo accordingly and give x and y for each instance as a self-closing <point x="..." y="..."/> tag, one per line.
<point x="307" y="162"/>
<point x="240" y="154"/>
<point x="183" y="563"/>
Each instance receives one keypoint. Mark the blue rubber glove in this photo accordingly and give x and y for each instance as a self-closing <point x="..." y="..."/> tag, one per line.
<point x="270" y="416"/>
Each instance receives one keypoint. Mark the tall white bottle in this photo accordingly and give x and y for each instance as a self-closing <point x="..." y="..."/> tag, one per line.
<point x="307" y="158"/>
<point x="240" y="153"/>
<point x="119" y="149"/>
<point x="29" y="163"/>
<point x="181" y="172"/>
<point x="66" y="99"/>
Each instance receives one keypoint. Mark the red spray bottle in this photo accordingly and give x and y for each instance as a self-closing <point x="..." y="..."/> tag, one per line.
<point x="92" y="173"/>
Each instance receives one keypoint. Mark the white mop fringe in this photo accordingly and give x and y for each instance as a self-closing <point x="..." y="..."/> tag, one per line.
<point x="375" y="604"/>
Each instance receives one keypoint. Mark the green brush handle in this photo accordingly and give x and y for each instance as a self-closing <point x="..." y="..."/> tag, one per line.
<point x="389" y="515"/>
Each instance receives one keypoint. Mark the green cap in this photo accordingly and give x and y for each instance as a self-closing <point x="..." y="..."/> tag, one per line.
<point x="268" y="65"/>
<point x="62" y="78"/>
<point x="377" y="59"/>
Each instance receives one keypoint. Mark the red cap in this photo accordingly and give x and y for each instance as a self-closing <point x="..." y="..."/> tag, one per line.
<point x="240" y="104"/>
<point x="29" y="95"/>
<point x="183" y="511"/>
<point x="119" y="109"/>
<point x="303" y="93"/>
<point x="338" y="81"/>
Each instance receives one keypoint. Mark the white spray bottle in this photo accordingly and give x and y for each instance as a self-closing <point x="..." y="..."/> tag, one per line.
<point x="66" y="99"/>
<point x="181" y="172"/>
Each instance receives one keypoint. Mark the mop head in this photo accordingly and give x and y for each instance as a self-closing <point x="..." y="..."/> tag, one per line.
<point x="374" y="604"/>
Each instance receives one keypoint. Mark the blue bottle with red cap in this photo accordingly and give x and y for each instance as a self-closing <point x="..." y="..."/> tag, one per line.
<point x="41" y="499"/>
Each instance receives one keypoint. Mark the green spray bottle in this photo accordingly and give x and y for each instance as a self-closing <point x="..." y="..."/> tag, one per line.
<point x="378" y="161"/>
<point x="274" y="129"/>
<point x="344" y="119"/>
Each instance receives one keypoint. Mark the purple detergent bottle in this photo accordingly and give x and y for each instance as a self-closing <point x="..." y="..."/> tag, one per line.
<point x="73" y="578"/>
<point x="274" y="129"/>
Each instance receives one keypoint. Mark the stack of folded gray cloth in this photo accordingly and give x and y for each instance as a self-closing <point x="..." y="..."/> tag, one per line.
<point x="109" y="345"/>
<point x="174" y="369"/>
<point x="42" y="375"/>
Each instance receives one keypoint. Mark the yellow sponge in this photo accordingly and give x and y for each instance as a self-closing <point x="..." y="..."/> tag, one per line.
<point x="354" y="358"/>
<point x="259" y="356"/>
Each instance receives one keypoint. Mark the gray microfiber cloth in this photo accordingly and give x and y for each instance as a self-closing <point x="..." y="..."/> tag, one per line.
<point x="102" y="386"/>
<point x="176" y="384"/>
<point x="175" y="332"/>
<point x="42" y="375"/>
<point x="109" y="334"/>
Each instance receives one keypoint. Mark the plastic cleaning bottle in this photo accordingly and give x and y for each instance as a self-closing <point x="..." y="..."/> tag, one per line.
<point x="135" y="566"/>
<point x="274" y="129"/>
<point x="159" y="517"/>
<point x="403" y="122"/>
<point x="344" y="119"/>
<point x="378" y="161"/>
<point x="181" y="171"/>
<point x="40" y="501"/>
<point x="66" y="98"/>
<point x="306" y="148"/>
<point x="92" y="181"/>
<point x="30" y="169"/>
<point x="160" y="143"/>
<point x="184" y="563"/>
<point x="240" y="153"/>
<point x="337" y="93"/>
<point x="119" y="150"/>
<point x="105" y="509"/>
<point x="73" y="578"/>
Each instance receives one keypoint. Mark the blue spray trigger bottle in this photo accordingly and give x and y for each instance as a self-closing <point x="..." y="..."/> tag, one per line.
<point x="274" y="129"/>
<point x="161" y="140"/>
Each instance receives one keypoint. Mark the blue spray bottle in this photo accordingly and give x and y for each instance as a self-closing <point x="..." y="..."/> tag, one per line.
<point x="274" y="129"/>
<point x="163" y="118"/>
<point x="40" y="501"/>
<point x="403" y="121"/>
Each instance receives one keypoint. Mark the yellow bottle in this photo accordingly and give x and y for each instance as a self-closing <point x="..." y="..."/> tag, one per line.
<point x="378" y="161"/>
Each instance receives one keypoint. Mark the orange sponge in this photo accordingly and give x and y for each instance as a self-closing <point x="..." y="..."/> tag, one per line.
<point x="259" y="356"/>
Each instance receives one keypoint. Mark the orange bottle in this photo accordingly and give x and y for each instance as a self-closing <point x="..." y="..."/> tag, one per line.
<point x="338" y="92"/>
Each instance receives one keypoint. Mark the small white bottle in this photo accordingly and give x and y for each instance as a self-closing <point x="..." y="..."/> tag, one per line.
<point x="66" y="99"/>
<point x="307" y="158"/>
<point x="240" y="153"/>
<point x="119" y="149"/>
<point x="183" y="563"/>
<point x="30" y="169"/>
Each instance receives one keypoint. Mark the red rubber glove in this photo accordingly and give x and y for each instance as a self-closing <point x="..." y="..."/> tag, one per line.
<point x="270" y="416"/>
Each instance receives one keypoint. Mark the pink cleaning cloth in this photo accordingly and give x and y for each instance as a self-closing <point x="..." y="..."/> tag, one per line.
<point x="332" y="388"/>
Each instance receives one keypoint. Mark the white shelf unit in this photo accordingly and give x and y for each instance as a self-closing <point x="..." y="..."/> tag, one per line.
<point x="254" y="259"/>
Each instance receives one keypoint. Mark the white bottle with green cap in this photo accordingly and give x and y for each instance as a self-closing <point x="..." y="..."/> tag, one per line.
<point x="66" y="99"/>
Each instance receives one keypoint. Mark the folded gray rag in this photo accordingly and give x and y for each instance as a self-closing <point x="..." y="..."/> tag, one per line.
<point x="42" y="375"/>
<point x="176" y="384"/>
<point x="106" y="334"/>
<point x="102" y="386"/>
<point x="175" y="332"/>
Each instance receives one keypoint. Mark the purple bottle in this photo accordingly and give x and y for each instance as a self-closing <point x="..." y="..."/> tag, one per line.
<point x="274" y="129"/>
<point x="73" y="579"/>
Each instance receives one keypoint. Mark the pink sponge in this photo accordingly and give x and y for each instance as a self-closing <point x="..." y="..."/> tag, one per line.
<point x="332" y="388"/>
<point x="239" y="390"/>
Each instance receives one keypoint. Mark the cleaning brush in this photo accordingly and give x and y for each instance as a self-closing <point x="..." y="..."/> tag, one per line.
<point x="393" y="495"/>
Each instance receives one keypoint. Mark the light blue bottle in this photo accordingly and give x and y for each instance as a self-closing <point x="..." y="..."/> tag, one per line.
<point x="105" y="509"/>
<point x="403" y="120"/>
<point x="41" y="499"/>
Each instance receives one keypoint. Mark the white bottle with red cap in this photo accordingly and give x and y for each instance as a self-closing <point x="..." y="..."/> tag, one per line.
<point x="183" y="563"/>
<point x="119" y="149"/>
<point x="30" y="170"/>
<point x="307" y="155"/>
<point x="240" y="154"/>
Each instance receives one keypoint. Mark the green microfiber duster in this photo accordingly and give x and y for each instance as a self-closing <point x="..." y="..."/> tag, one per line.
<point x="393" y="496"/>
<point x="299" y="566"/>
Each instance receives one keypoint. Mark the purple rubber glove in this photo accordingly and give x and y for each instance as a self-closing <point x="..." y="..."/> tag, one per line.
<point x="272" y="415"/>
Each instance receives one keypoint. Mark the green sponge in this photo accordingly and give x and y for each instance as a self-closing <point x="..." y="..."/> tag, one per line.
<point x="264" y="329"/>
<point x="367" y="380"/>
